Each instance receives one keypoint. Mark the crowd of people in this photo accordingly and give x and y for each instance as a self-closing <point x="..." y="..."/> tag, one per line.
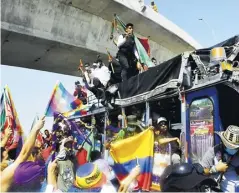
<point x="102" y="79"/>
<point x="61" y="163"/>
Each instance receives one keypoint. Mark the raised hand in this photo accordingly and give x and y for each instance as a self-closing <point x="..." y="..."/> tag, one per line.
<point x="40" y="124"/>
<point x="8" y="132"/>
<point x="52" y="167"/>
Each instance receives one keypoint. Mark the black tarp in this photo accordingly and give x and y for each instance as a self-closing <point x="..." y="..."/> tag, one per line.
<point x="152" y="78"/>
<point x="137" y="88"/>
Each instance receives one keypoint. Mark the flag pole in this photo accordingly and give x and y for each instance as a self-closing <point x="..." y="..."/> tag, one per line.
<point x="53" y="93"/>
<point x="84" y="73"/>
<point x="110" y="57"/>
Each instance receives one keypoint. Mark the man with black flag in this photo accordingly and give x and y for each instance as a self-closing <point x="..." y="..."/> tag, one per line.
<point x="127" y="54"/>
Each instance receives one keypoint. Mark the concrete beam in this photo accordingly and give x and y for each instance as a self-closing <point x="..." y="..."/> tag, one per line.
<point x="40" y="54"/>
<point x="52" y="35"/>
<point x="148" y="23"/>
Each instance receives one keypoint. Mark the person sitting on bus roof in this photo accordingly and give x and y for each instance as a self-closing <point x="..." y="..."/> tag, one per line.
<point x="222" y="160"/>
<point x="99" y="78"/>
<point x="101" y="72"/>
<point x="80" y="93"/>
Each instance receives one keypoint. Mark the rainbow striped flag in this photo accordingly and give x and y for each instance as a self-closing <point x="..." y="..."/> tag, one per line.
<point x="9" y="118"/>
<point x="82" y="110"/>
<point x="62" y="101"/>
<point x="127" y="153"/>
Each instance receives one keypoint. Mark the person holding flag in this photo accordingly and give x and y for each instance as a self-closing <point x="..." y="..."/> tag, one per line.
<point x="115" y="69"/>
<point x="127" y="54"/>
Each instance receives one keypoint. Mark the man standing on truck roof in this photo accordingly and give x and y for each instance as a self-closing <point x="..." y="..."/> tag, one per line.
<point x="222" y="161"/>
<point x="127" y="54"/>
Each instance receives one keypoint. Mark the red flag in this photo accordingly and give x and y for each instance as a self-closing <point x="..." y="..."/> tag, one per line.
<point x="9" y="123"/>
<point x="145" y="43"/>
<point x="10" y="119"/>
<point x="39" y="140"/>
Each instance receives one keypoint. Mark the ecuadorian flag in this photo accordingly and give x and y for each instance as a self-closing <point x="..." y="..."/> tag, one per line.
<point x="128" y="152"/>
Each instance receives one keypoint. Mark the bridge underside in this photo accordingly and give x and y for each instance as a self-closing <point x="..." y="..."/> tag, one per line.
<point x="31" y="52"/>
<point x="52" y="35"/>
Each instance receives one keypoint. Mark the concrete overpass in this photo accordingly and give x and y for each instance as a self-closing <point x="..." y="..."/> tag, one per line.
<point x="52" y="35"/>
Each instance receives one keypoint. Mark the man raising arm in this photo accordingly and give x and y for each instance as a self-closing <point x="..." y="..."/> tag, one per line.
<point x="8" y="173"/>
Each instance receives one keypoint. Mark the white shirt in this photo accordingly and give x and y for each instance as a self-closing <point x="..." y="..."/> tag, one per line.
<point x="103" y="74"/>
<point x="108" y="188"/>
<point x="122" y="40"/>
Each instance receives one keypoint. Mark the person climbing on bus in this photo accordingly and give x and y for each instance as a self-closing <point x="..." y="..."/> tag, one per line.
<point x="127" y="54"/>
<point x="115" y="70"/>
<point x="95" y="85"/>
<point x="222" y="160"/>
<point x="100" y="77"/>
<point x="100" y="74"/>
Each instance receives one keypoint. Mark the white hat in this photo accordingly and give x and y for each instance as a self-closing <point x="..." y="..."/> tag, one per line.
<point x="120" y="117"/>
<point x="95" y="64"/>
<point x="230" y="137"/>
<point x="161" y="119"/>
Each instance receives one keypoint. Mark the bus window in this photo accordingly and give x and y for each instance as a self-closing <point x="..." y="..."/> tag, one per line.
<point x="201" y="127"/>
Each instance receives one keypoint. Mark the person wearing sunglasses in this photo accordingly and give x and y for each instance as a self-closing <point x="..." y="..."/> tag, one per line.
<point x="185" y="177"/>
<point x="222" y="161"/>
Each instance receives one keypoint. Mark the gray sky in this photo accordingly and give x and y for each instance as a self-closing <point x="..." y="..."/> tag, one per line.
<point x="32" y="89"/>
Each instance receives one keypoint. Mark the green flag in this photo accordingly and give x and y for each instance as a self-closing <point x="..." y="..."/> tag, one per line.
<point x="3" y="113"/>
<point x="143" y="55"/>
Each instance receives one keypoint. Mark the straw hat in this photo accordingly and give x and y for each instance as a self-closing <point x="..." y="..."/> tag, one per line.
<point x="230" y="137"/>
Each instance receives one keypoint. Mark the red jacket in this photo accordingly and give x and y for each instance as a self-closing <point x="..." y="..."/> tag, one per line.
<point x="80" y="93"/>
